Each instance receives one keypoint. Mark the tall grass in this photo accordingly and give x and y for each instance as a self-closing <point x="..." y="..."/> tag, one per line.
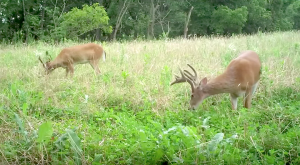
<point x="131" y="115"/>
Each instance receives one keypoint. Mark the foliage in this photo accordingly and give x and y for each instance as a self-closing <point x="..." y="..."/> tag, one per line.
<point x="131" y="115"/>
<point x="95" y="20"/>
<point x="259" y="18"/>
<point x="227" y="21"/>
<point x="80" y="21"/>
<point x="293" y="12"/>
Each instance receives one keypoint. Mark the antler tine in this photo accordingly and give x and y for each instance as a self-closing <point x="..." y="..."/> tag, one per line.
<point x="191" y="76"/>
<point x="193" y="70"/>
<point x="178" y="79"/>
<point x="42" y="62"/>
<point x="182" y="79"/>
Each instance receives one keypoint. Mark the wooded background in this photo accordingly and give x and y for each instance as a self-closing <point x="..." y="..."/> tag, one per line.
<point x="57" y="20"/>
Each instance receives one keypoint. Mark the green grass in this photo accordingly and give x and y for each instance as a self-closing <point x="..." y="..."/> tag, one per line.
<point x="133" y="116"/>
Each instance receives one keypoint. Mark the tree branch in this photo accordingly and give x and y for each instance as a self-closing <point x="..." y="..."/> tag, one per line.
<point x="187" y="22"/>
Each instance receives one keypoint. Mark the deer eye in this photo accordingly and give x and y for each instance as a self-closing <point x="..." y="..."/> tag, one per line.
<point x="192" y="95"/>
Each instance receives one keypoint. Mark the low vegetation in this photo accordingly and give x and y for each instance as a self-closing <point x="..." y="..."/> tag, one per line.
<point x="131" y="115"/>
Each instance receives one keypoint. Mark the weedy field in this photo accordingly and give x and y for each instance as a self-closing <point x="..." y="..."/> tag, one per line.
<point x="131" y="115"/>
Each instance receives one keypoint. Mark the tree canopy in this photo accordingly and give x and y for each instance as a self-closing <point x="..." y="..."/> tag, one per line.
<point x="55" y="20"/>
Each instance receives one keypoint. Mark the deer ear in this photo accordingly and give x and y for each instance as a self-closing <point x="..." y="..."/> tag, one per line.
<point x="203" y="81"/>
<point x="48" y="56"/>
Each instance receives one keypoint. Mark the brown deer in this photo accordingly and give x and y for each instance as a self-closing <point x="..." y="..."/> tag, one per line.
<point x="239" y="79"/>
<point x="80" y="54"/>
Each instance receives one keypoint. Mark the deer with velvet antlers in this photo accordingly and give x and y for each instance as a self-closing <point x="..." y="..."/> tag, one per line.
<point x="239" y="79"/>
<point x="80" y="54"/>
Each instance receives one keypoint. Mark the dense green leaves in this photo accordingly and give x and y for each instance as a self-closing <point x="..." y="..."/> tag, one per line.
<point x="259" y="18"/>
<point x="127" y="19"/>
<point x="79" y="21"/>
<point x="225" y="20"/>
<point x="293" y="12"/>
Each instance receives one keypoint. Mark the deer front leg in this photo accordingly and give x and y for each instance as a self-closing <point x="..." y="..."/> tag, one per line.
<point x="67" y="71"/>
<point x="70" y="68"/>
<point x="234" y="101"/>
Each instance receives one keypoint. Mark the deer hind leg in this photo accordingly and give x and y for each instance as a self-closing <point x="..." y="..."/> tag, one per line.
<point x="94" y="64"/>
<point x="248" y="98"/>
<point x="234" y="101"/>
<point x="254" y="87"/>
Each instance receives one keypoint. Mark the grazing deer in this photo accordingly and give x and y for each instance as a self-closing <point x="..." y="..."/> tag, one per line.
<point x="79" y="54"/>
<point x="239" y="79"/>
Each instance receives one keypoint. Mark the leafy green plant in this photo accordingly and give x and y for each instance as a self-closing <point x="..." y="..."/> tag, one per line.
<point x="125" y="75"/>
<point x="147" y="58"/>
<point x="45" y="132"/>
<point x="165" y="77"/>
<point x="86" y="120"/>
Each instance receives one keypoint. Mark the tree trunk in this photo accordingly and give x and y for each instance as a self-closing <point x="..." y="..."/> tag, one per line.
<point x="119" y="19"/>
<point x="25" y="23"/>
<point x="187" y="23"/>
<point x="43" y="15"/>
<point x="152" y="21"/>
<point x="98" y="31"/>
<point x="97" y="37"/>
<point x="114" y="33"/>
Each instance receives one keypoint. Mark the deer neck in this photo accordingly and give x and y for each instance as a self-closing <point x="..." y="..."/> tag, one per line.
<point x="218" y="85"/>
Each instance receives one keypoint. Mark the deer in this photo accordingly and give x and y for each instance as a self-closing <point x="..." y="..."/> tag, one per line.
<point x="240" y="78"/>
<point x="79" y="54"/>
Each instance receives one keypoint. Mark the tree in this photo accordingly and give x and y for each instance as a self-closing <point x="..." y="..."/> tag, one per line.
<point x="293" y="13"/>
<point x="187" y="22"/>
<point x="228" y="21"/>
<point x="201" y="17"/>
<point x="258" y="17"/>
<point x="279" y="20"/>
<point x="53" y="20"/>
<point x="153" y="8"/>
<point x="80" y="21"/>
<point x="123" y="9"/>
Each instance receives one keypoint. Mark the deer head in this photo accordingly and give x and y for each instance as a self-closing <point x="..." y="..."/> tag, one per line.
<point x="197" y="95"/>
<point x="47" y="66"/>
